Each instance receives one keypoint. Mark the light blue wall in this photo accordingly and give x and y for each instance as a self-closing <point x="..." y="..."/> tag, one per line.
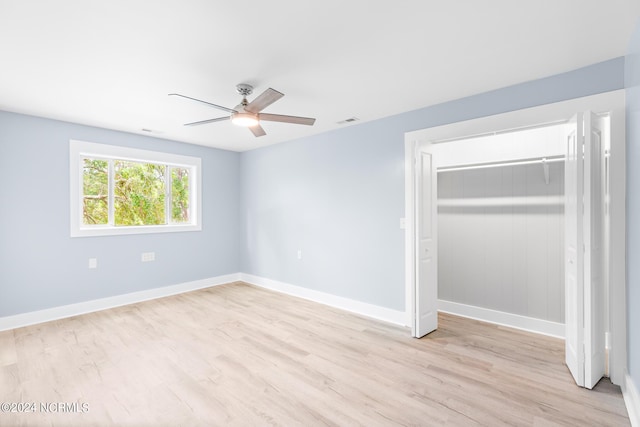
<point x="340" y="203"/>
<point x="632" y="83"/>
<point x="42" y="267"/>
<point x="339" y="196"/>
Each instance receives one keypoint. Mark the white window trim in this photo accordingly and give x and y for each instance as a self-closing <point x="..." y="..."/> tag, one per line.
<point x="80" y="149"/>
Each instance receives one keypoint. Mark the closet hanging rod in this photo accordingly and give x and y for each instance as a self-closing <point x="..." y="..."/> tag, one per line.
<point x="543" y="160"/>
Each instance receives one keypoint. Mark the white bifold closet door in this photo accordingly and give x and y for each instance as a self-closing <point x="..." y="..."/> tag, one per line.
<point x="584" y="228"/>
<point x="426" y="243"/>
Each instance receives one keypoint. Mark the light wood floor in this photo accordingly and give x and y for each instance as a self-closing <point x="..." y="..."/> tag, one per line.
<point x="239" y="355"/>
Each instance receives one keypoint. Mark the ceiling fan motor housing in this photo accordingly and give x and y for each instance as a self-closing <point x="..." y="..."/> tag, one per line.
<point x="244" y="89"/>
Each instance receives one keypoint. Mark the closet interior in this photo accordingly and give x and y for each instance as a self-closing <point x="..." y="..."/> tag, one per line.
<point x="501" y="222"/>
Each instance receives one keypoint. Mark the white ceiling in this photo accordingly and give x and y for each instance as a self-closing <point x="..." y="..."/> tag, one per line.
<point x="112" y="63"/>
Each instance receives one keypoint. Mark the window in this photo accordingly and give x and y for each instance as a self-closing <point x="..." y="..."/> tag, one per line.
<point x="119" y="190"/>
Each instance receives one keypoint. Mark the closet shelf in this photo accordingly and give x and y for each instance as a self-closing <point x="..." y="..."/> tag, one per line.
<point x="503" y="201"/>
<point x="543" y="161"/>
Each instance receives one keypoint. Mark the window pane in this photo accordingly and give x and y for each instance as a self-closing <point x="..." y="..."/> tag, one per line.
<point x="95" y="190"/>
<point x="139" y="192"/>
<point x="180" y="195"/>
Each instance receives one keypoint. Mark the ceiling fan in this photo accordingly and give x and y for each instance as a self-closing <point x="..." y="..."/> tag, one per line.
<point x="248" y="114"/>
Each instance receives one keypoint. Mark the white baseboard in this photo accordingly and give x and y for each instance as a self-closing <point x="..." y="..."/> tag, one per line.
<point x="55" y="313"/>
<point x="365" y="309"/>
<point x="631" y="399"/>
<point x="516" y="321"/>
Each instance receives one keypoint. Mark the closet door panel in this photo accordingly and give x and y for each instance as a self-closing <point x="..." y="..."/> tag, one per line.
<point x="426" y="249"/>
<point x="574" y="250"/>
<point x="594" y="262"/>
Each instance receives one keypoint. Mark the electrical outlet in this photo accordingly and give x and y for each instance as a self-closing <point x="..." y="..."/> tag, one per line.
<point x="93" y="262"/>
<point x="148" y="256"/>
<point x="299" y="253"/>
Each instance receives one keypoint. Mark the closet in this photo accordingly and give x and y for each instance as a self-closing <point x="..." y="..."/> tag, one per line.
<point x="511" y="219"/>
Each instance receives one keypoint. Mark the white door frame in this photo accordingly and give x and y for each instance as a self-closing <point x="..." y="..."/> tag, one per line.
<point x="613" y="102"/>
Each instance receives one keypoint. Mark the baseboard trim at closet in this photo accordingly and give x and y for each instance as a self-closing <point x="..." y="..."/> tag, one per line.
<point x="61" y="312"/>
<point x="631" y="399"/>
<point x="516" y="321"/>
<point x="358" y="307"/>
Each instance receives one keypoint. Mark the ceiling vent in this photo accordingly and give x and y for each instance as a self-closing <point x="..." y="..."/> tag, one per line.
<point x="153" y="131"/>
<point x="349" y="120"/>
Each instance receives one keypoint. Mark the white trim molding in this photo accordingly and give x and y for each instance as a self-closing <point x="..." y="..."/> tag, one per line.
<point x="365" y="309"/>
<point x="55" y="313"/>
<point x="631" y="400"/>
<point x="529" y="324"/>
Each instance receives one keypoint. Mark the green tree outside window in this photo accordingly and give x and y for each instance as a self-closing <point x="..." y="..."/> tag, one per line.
<point x="140" y="193"/>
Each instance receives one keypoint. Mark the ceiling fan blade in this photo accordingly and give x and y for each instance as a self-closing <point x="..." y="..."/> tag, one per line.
<point x="228" y="110"/>
<point x="257" y="130"/>
<point x="287" y="119"/>
<point x="263" y="100"/>
<point x="204" y="122"/>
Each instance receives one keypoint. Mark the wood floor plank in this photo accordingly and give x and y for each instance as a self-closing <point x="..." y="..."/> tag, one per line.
<point x="239" y="355"/>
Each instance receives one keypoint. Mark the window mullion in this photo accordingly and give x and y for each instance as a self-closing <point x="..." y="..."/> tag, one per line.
<point x="111" y="196"/>
<point x="167" y="194"/>
<point x="81" y="187"/>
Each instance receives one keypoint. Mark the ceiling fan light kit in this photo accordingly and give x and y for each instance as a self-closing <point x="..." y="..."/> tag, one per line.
<point x="247" y="114"/>
<point x="244" y="119"/>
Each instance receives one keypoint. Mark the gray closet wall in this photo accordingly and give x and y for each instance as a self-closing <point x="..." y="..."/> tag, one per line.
<point x="501" y="239"/>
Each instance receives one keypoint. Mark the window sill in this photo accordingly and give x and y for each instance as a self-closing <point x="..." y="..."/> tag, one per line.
<point x="124" y="230"/>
